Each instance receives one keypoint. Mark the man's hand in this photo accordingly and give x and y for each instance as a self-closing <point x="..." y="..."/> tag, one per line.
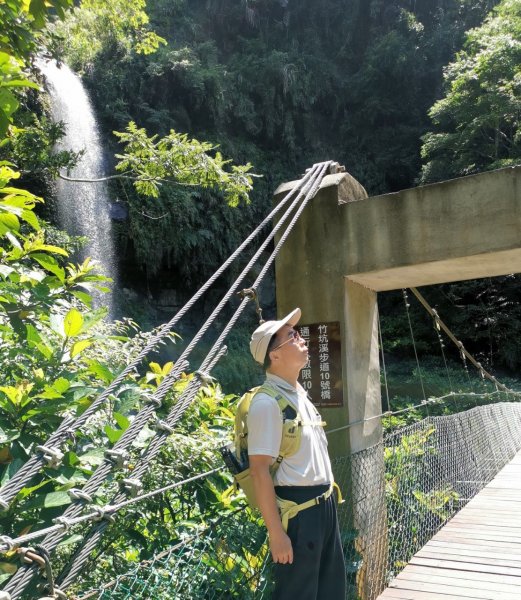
<point x="281" y="549"/>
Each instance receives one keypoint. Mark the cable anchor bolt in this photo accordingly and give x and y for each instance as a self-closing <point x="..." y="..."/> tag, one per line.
<point x="160" y="425"/>
<point x="9" y="542"/>
<point x="29" y="556"/>
<point x="63" y="522"/>
<point x="157" y="402"/>
<point x="251" y="293"/>
<point x="103" y="513"/>
<point x="132" y="486"/>
<point x="53" y="456"/>
<point x="118" y="458"/>
<point x="77" y="494"/>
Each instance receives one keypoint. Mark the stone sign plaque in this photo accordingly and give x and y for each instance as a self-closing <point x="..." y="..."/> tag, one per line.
<point x="321" y="377"/>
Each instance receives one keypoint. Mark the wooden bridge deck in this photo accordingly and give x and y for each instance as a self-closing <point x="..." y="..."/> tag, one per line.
<point x="477" y="555"/>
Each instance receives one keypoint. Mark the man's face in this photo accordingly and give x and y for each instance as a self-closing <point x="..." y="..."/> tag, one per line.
<point x="291" y="348"/>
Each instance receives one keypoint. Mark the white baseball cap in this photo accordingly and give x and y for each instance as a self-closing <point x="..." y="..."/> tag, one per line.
<point x="261" y="337"/>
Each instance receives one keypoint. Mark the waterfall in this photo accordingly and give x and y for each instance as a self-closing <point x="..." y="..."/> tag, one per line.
<point x="82" y="208"/>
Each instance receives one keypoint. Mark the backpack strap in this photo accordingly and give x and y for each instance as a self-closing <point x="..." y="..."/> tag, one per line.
<point x="286" y="449"/>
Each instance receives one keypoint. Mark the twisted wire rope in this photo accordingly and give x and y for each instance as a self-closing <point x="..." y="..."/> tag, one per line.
<point x="190" y="392"/>
<point x="69" y="424"/>
<point x="22" y="578"/>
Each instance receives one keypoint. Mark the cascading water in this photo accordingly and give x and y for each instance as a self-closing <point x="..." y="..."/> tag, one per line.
<point x="83" y="208"/>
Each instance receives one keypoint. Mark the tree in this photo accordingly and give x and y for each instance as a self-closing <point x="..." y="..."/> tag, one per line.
<point x="477" y="123"/>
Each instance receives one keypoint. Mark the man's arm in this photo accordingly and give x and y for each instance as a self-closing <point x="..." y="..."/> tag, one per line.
<point x="280" y="544"/>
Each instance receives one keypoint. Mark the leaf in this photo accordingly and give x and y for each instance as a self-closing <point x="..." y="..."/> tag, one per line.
<point x="8" y="222"/>
<point x="72" y="539"/>
<point x="83" y="296"/>
<point x="72" y="323"/>
<point x="11" y="470"/>
<point x="93" y="457"/>
<point x="7" y="436"/>
<point x="8" y="568"/>
<point x="79" y="346"/>
<point x="121" y="420"/>
<point x="49" y="263"/>
<point x="100" y="371"/>
<point x="5" y="456"/>
<point x="61" y="385"/>
<point x="50" y="500"/>
<point x="113" y="434"/>
<point x="27" y="491"/>
<point x="49" y="248"/>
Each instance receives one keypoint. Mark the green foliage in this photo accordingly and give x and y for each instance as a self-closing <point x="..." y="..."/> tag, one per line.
<point x="95" y="24"/>
<point x="168" y="519"/>
<point x="270" y="83"/>
<point x="21" y="25"/>
<point x="177" y="159"/>
<point x="31" y="146"/>
<point x="477" y="122"/>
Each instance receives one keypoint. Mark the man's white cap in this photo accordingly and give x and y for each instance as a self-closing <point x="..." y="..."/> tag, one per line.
<point x="261" y="337"/>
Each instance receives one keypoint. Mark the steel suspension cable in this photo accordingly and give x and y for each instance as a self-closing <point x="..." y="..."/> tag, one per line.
<point x="20" y="581"/>
<point x="407" y="306"/>
<point x="69" y="425"/>
<point x="190" y="392"/>
<point x="483" y="372"/>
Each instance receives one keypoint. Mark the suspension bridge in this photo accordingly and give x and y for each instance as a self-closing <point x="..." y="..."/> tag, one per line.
<point x="403" y="486"/>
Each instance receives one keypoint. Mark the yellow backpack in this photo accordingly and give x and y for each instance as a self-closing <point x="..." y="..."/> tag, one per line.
<point x="238" y="461"/>
<point x="290" y="442"/>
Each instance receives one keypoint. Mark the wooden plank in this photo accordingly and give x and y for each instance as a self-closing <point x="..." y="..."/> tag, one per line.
<point x="496" y="548"/>
<point x="463" y="566"/>
<point x="481" y="558"/>
<point x="411" y="575"/>
<point x="394" y="594"/>
<point x="481" y="536"/>
<point x="485" y="528"/>
<point x="447" y="588"/>
<point x="461" y="575"/>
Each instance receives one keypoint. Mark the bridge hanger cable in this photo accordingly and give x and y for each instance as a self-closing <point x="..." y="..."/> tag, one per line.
<point x="420" y="374"/>
<point x="383" y="362"/>
<point x="20" y="579"/>
<point x="439" y="324"/>
<point x="69" y="424"/>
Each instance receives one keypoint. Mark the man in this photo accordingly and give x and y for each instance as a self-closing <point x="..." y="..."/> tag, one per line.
<point x="309" y="564"/>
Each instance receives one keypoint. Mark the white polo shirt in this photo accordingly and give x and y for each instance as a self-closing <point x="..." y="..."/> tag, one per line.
<point x="310" y="465"/>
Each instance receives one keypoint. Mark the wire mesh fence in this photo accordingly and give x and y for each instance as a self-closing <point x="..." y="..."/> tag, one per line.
<point x="399" y="493"/>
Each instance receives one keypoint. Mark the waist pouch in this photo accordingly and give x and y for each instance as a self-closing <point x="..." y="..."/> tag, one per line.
<point x="290" y="508"/>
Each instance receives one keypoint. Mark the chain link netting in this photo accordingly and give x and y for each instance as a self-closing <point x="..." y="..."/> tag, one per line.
<point x="403" y="490"/>
<point x="398" y="493"/>
<point x="227" y="559"/>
